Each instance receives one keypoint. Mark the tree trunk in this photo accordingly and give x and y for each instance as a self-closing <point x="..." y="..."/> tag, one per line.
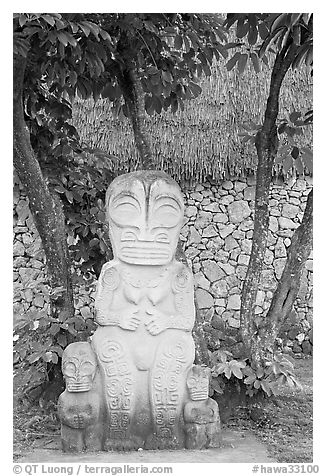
<point x="46" y="209"/>
<point x="266" y="146"/>
<point x="134" y="99"/>
<point x="289" y="284"/>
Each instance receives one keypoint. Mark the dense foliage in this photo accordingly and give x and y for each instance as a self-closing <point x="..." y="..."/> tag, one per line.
<point x="91" y="55"/>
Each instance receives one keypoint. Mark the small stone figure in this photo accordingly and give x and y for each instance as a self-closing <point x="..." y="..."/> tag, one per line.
<point x="201" y="415"/>
<point x="79" y="406"/>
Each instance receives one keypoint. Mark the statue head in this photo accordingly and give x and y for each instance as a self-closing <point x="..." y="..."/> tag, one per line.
<point x="78" y="366"/>
<point x="144" y="210"/>
<point x="198" y="382"/>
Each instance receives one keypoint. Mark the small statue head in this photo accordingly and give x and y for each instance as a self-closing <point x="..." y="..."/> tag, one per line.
<point x="78" y="366"/>
<point x="144" y="210"/>
<point x="198" y="382"/>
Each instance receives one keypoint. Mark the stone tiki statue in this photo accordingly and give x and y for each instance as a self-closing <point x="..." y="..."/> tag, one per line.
<point x="201" y="415"/>
<point x="79" y="406"/>
<point x="145" y="313"/>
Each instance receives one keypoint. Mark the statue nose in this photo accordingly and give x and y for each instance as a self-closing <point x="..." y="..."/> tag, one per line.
<point x="144" y="234"/>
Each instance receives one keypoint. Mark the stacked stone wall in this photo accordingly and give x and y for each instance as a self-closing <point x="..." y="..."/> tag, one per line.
<point x="217" y="236"/>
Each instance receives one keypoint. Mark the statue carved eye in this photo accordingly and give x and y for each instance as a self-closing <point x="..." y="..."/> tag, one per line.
<point x="124" y="208"/>
<point x="166" y="212"/>
<point x="192" y="382"/>
<point x="70" y="369"/>
<point x="86" y="368"/>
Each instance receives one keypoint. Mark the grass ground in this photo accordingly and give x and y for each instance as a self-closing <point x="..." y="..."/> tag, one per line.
<point x="284" y="424"/>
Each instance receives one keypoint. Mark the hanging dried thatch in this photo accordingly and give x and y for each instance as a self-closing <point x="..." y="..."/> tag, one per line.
<point x="203" y="140"/>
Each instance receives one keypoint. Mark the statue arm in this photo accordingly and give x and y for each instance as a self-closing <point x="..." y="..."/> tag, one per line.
<point x="107" y="284"/>
<point x="183" y="288"/>
<point x="185" y="316"/>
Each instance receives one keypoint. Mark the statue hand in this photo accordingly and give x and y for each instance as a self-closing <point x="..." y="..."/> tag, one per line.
<point x="129" y="319"/>
<point x="156" y="322"/>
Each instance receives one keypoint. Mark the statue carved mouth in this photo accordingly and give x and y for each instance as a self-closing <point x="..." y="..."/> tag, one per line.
<point x="78" y="387"/>
<point x="146" y="252"/>
<point x="198" y="395"/>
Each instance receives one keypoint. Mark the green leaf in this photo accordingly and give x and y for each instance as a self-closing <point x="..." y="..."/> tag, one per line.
<point x="178" y="42"/>
<point x="238" y="363"/>
<point x="222" y="50"/>
<point x="93" y="28"/>
<point x="281" y="20"/>
<point x="263" y="30"/>
<point x="249" y="380"/>
<point x="47" y="357"/>
<point x="242" y="62"/>
<point x="260" y="372"/>
<point x="34" y="357"/>
<point x="54" y="358"/>
<point x="237" y="372"/>
<point x="253" y="35"/>
<point x="49" y="19"/>
<point x="307" y="160"/>
<point x="22" y="20"/>
<point x="289" y="381"/>
<point x="69" y="196"/>
<point x="227" y="371"/>
<point x="281" y="380"/>
<point x="54" y="329"/>
<point x="86" y="313"/>
<point x="231" y="45"/>
<point x="220" y="368"/>
<point x="195" y="89"/>
<point x="294" y="116"/>
<point x="287" y="164"/>
<point x="167" y="76"/>
<point x="271" y="38"/>
<point x="242" y="28"/>
<point x="62" y="339"/>
<point x="157" y="104"/>
<point x="295" y="153"/>
<point x="62" y="37"/>
<point x="232" y="62"/>
<point x="255" y="62"/>
<point x="105" y="35"/>
<point x="71" y="39"/>
<point x="85" y="28"/>
<point x="59" y="24"/>
<point x="301" y="55"/>
<point x="216" y="386"/>
<point x="265" y="386"/>
<point x="299" y="166"/>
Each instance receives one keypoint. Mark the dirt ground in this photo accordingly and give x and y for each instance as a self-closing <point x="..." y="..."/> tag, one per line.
<point x="282" y="432"/>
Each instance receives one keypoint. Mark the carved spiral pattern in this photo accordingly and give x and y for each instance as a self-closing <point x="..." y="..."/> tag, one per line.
<point x="110" y="351"/>
<point x="111" y="279"/>
<point x="114" y="388"/>
<point x="181" y="281"/>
